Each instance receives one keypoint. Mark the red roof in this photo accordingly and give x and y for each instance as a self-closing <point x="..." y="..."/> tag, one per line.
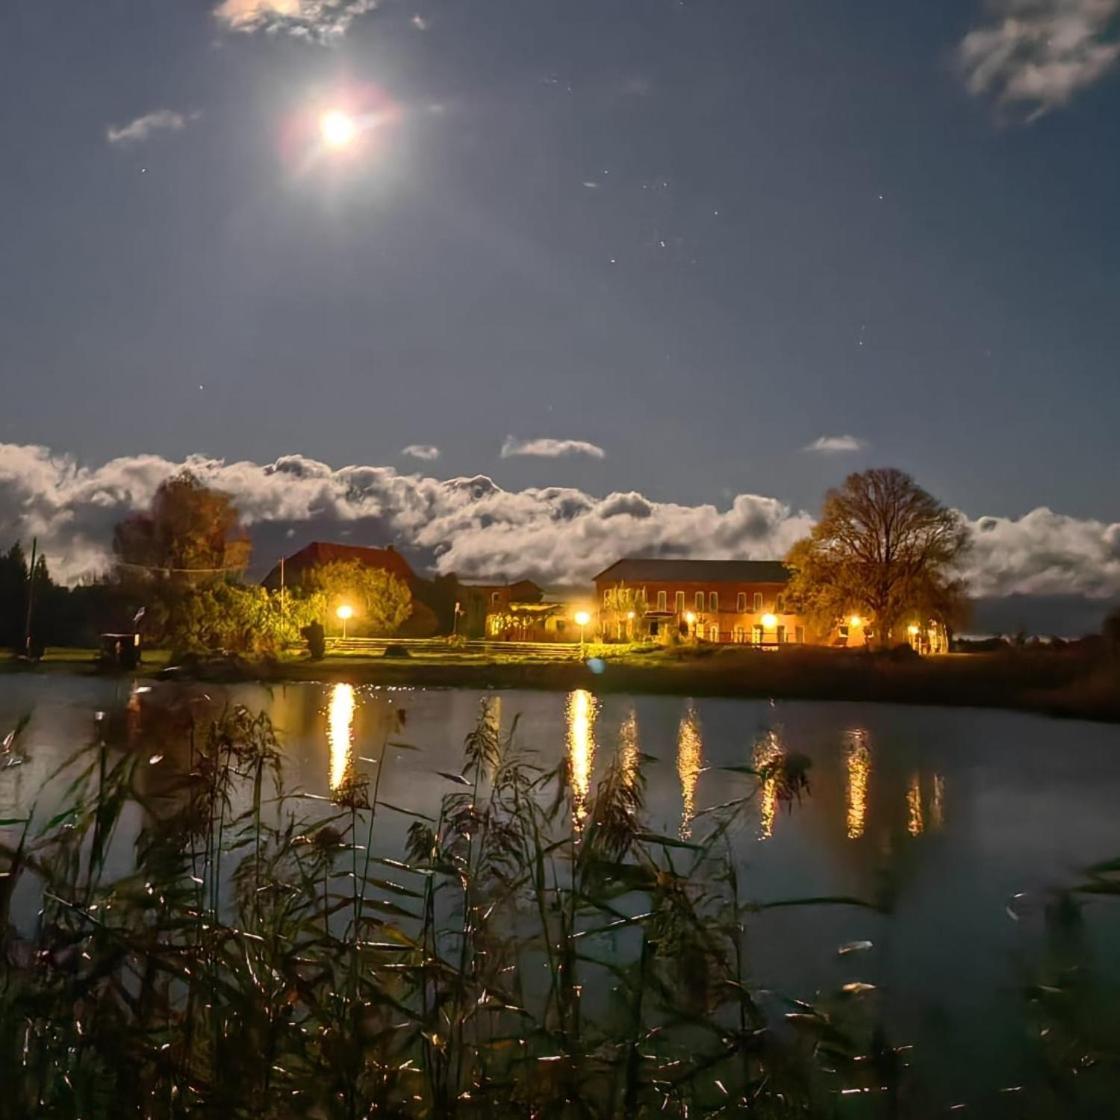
<point x="318" y="553"/>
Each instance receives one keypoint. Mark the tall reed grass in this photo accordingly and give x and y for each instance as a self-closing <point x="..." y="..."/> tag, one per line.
<point x="533" y="951"/>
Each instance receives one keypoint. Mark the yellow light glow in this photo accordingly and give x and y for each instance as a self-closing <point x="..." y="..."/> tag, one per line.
<point x="630" y="615"/>
<point x="628" y="748"/>
<point x="690" y="618"/>
<point x="769" y="621"/>
<point x="340" y="733"/>
<point x="859" y="774"/>
<point x="581" y="749"/>
<point x="912" y="630"/>
<point x="582" y="618"/>
<point x="915" y="823"/>
<point x="767" y="753"/>
<point x="690" y="758"/>
<point x="337" y="128"/>
<point x="855" y="622"/>
<point x="345" y="611"/>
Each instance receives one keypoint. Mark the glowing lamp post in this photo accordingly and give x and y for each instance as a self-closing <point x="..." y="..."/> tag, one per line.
<point x="582" y="618"/>
<point x="345" y="612"/>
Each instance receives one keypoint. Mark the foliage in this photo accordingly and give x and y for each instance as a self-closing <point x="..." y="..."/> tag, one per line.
<point x="536" y="952"/>
<point x="380" y="600"/>
<point x="883" y="548"/>
<point x="190" y="532"/>
<point x="235" y="617"/>
<point x="619" y="603"/>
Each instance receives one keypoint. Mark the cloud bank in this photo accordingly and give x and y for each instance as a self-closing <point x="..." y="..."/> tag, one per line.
<point x="550" y="448"/>
<point x="308" y="19"/>
<point x="1036" y="55"/>
<point x="425" y="451"/>
<point x="472" y="526"/>
<point x="142" y="128"/>
<point x="835" y="445"/>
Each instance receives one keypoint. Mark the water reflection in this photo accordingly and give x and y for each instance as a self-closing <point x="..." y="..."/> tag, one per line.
<point x="937" y="802"/>
<point x="582" y="710"/>
<point x="768" y="753"/>
<point x="858" y="760"/>
<point x="915" y="823"/>
<point x="690" y="758"/>
<point x="340" y="734"/>
<point x="628" y="748"/>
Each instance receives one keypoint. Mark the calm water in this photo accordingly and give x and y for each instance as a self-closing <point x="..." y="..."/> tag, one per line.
<point x="950" y="813"/>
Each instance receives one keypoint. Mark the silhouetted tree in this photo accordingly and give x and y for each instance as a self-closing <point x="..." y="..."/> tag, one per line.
<point x="883" y="548"/>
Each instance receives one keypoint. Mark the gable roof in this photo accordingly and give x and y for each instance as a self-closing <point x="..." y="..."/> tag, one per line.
<point x="639" y="569"/>
<point x="318" y="553"/>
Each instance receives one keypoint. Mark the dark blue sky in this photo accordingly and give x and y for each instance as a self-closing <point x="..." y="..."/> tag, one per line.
<point x="699" y="235"/>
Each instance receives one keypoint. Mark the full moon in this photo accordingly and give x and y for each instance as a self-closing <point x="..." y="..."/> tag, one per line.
<point x="337" y="128"/>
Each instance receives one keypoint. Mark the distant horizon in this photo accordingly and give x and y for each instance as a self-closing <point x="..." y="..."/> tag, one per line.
<point x="559" y="536"/>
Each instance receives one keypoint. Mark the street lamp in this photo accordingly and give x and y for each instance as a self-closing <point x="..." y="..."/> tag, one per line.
<point x="769" y="621"/>
<point x="582" y="619"/>
<point x="345" y="612"/>
<point x="855" y="622"/>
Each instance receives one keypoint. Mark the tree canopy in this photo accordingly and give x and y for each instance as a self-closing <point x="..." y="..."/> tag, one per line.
<point x="883" y="548"/>
<point x="191" y="532"/>
<point x="381" y="602"/>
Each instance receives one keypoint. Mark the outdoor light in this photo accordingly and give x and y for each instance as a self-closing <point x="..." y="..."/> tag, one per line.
<point x="913" y="630"/>
<point x="337" y="128"/>
<point x="345" y="612"/>
<point x="582" y="618"/>
<point x="630" y="615"/>
<point x="690" y="618"/>
<point x="855" y="622"/>
<point x="769" y="621"/>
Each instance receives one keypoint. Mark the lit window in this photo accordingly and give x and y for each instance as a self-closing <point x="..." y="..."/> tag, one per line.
<point x="678" y="602"/>
<point x="713" y="601"/>
<point x="779" y="607"/>
<point x="757" y="601"/>
<point x="495" y="596"/>
<point x="741" y="602"/>
<point x="606" y="598"/>
<point x="663" y="600"/>
<point x="699" y="600"/>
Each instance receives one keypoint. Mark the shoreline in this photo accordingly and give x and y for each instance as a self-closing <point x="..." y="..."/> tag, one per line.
<point x="1050" y="684"/>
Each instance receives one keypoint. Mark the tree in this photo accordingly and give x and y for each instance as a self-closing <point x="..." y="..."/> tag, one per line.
<point x="884" y="549"/>
<point x="381" y="602"/>
<point x="191" y="533"/>
<point x="627" y="607"/>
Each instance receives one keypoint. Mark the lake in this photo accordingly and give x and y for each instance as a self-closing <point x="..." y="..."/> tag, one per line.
<point x="964" y="820"/>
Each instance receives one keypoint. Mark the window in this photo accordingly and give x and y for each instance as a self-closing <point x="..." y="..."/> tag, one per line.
<point x="741" y="602"/>
<point x="779" y="606"/>
<point x="757" y="601"/>
<point x="799" y="635"/>
<point x="699" y="600"/>
<point x="495" y="596"/>
<point x="679" y="602"/>
<point x="606" y="598"/>
<point x="663" y="600"/>
<point x="713" y="633"/>
<point x="756" y="635"/>
<point x="843" y="631"/>
<point x="781" y="635"/>
<point x="739" y="634"/>
<point x="713" y="601"/>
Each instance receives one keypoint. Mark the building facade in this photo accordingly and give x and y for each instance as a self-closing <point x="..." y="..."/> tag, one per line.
<point x="730" y="601"/>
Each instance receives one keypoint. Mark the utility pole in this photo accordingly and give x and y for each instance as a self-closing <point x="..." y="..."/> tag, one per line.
<point x="30" y="598"/>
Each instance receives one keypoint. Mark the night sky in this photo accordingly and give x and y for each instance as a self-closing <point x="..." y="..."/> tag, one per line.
<point x="691" y="238"/>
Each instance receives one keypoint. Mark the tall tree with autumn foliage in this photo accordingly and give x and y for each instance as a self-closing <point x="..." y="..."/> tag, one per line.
<point x="884" y="549"/>
<point x="190" y="533"/>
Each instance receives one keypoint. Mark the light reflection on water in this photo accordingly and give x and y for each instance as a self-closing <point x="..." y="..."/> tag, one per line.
<point x="768" y="753"/>
<point x="690" y="759"/>
<point x="937" y="802"/>
<point x="915" y="821"/>
<point x="858" y="761"/>
<point x="628" y="749"/>
<point x="582" y="709"/>
<point x="340" y="734"/>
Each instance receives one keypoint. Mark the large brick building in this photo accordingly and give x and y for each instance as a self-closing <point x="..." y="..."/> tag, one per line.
<point x="737" y="601"/>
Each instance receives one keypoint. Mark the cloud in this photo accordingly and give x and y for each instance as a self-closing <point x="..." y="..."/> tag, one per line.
<point x="834" y="445"/>
<point x="423" y="451"/>
<point x="139" y="130"/>
<point x="321" y="20"/>
<point x="557" y="535"/>
<point x="1038" y="54"/>
<point x="550" y="448"/>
